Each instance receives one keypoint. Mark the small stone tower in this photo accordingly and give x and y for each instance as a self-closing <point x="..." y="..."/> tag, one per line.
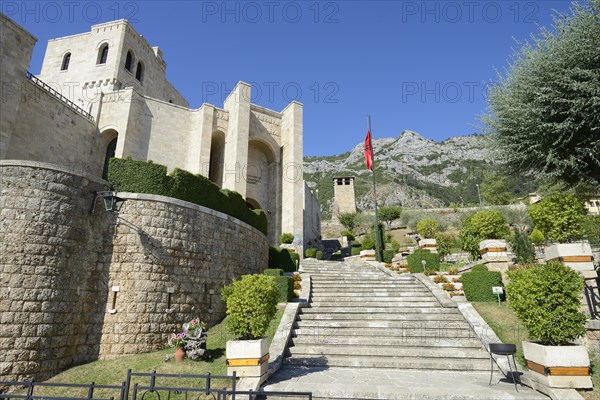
<point x="344" y="200"/>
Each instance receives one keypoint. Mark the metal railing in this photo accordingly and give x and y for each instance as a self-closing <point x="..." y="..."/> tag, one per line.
<point x="592" y="296"/>
<point x="91" y="387"/>
<point x="43" y="85"/>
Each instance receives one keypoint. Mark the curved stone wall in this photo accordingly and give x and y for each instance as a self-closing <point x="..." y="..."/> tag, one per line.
<point x="60" y="268"/>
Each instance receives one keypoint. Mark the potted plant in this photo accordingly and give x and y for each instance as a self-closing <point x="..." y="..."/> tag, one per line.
<point x="546" y="298"/>
<point x="251" y="304"/>
<point x="177" y="340"/>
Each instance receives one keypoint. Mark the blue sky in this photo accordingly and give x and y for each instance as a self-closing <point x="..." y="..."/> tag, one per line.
<point x="418" y="65"/>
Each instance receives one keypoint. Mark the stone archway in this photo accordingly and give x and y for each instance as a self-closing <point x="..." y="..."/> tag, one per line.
<point x="109" y="140"/>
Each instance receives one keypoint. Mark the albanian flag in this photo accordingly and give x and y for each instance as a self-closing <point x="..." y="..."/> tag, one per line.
<point x="369" y="151"/>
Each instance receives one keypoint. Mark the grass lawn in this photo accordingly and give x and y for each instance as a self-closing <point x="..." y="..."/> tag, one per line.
<point x="114" y="371"/>
<point x="503" y="321"/>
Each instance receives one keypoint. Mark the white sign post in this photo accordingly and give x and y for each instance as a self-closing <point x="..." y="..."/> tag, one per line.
<point x="497" y="290"/>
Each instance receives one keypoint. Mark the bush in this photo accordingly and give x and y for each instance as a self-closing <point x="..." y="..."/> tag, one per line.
<point x="286" y="238"/>
<point x="355" y="251"/>
<point x="310" y="253"/>
<point x="537" y="237"/>
<point x="319" y="255"/>
<point x="546" y="300"/>
<point x="251" y="305"/>
<point x="448" y="287"/>
<point x="430" y="272"/>
<point x="388" y="255"/>
<point x="349" y="234"/>
<point x="522" y="247"/>
<point x="440" y="279"/>
<point x="477" y="285"/>
<point x="560" y="217"/>
<point x="395" y="246"/>
<point x="273" y="272"/>
<point x="368" y="243"/>
<point x="285" y="288"/>
<point x="282" y="258"/>
<point x="128" y="175"/>
<point x="479" y="268"/>
<point x="428" y="228"/>
<point x="349" y="220"/>
<point x="414" y="261"/>
<point x="444" y="243"/>
<point x="482" y="225"/>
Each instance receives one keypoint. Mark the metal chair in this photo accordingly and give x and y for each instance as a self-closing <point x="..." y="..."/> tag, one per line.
<point x="508" y="350"/>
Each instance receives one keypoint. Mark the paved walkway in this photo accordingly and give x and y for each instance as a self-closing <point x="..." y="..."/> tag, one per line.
<point x="369" y="336"/>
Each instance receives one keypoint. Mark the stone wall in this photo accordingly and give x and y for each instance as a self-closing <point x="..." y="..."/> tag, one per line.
<point x="59" y="265"/>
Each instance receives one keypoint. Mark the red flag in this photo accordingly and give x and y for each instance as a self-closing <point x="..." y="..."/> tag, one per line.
<point x="369" y="151"/>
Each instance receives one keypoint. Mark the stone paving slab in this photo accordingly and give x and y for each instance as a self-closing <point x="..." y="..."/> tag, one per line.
<point x="349" y="383"/>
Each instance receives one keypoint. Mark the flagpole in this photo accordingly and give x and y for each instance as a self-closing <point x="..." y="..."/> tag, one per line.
<point x="377" y="235"/>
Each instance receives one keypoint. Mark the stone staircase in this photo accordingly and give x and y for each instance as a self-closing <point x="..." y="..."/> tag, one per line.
<point x="364" y="318"/>
<point x="363" y="323"/>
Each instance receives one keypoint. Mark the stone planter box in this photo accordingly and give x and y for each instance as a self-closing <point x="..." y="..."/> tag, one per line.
<point x="494" y="254"/>
<point x="248" y="358"/>
<point x="559" y="366"/>
<point x="367" y="255"/>
<point x="428" y="244"/>
<point x="578" y="256"/>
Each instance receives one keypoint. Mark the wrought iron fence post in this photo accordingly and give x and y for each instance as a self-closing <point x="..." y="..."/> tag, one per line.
<point x="90" y="394"/>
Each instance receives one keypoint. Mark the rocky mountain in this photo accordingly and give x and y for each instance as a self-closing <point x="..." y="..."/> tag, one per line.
<point x="410" y="170"/>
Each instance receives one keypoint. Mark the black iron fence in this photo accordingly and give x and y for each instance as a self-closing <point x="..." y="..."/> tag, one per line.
<point x="208" y="388"/>
<point x="592" y="296"/>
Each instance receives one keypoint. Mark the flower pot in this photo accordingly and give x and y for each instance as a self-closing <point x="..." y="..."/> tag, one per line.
<point x="248" y="358"/>
<point x="179" y="355"/>
<point x="577" y="256"/>
<point x="559" y="366"/>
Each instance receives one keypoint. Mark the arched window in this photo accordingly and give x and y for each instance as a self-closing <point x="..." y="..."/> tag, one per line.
<point x="103" y="54"/>
<point x="65" y="64"/>
<point x="139" y="72"/>
<point x="129" y="61"/>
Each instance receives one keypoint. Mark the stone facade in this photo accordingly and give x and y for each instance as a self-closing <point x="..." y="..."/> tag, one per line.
<point x="165" y="259"/>
<point x="241" y="146"/>
<point x="344" y="200"/>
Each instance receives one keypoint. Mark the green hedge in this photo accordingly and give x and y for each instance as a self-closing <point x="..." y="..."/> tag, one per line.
<point x="478" y="285"/>
<point x="128" y="175"/>
<point x="414" y="261"/>
<point x="479" y="268"/>
<point x="282" y="258"/>
<point x="310" y="253"/>
<point x="285" y="288"/>
<point x="355" y="251"/>
<point x="273" y="272"/>
<point x="319" y="255"/>
<point x="388" y="255"/>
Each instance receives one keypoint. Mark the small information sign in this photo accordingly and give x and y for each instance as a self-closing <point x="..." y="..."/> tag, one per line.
<point x="497" y="290"/>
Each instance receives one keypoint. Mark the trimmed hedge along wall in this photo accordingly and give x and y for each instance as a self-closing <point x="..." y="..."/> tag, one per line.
<point x="415" y="261"/>
<point x="128" y="175"/>
<point x="283" y="258"/>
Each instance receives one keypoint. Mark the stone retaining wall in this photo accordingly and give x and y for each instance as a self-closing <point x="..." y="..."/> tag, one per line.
<point x="59" y="265"/>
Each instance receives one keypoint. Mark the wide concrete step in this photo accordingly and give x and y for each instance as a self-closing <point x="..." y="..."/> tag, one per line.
<point x="372" y="297"/>
<point x="399" y="326"/>
<point x="374" y="293"/>
<point x="425" y="352"/>
<point x="388" y="304"/>
<point x="381" y="308"/>
<point x="363" y="286"/>
<point x="412" y="363"/>
<point x="377" y="333"/>
<point x="407" y="341"/>
<point x="379" y="317"/>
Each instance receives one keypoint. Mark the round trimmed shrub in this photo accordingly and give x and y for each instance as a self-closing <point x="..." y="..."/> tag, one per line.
<point x="251" y="305"/>
<point x="560" y="217"/>
<point x="368" y="243"/>
<point x="349" y="234"/>
<point x="546" y="300"/>
<point x="479" y="268"/>
<point x="310" y="253"/>
<point x="428" y="227"/>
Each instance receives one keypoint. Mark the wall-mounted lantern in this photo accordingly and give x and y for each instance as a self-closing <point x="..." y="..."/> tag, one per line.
<point x="112" y="202"/>
<point x="115" y="290"/>
<point x="170" y="291"/>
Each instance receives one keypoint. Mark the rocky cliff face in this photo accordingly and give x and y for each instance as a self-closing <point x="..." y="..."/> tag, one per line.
<point x="410" y="170"/>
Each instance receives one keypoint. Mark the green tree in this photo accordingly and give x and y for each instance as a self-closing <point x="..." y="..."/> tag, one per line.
<point x="494" y="190"/>
<point x="591" y="227"/>
<point x="349" y="220"/>
<point x="389" y="214"/>
<point x="428" y="227"/>
<point x="445" y="243"/>
<point x="482" y="225"/>
<point x="559" y="217"/>
<point x="522" y="247"/>
<point x="545" y="110"/>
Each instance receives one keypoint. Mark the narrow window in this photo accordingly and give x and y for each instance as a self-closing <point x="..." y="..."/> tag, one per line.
<point x="129" y="61"/>
<point x="65" y="63"/>
<point x="139" y="72"/>
<point x="103" y="55"/>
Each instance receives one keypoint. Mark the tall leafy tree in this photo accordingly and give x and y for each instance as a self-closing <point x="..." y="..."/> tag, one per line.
<point x="545" y="110"/>
<point x="560" y="217"/>
<point x="389" y="214"/>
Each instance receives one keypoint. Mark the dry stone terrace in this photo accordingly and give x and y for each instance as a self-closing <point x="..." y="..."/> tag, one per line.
<point x="367" y="335"/>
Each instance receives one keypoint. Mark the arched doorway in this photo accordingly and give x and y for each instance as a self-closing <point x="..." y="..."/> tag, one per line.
<point x="217" y="158"/>
<point x="110" y="153"/>
<point x="107" y="147"/>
